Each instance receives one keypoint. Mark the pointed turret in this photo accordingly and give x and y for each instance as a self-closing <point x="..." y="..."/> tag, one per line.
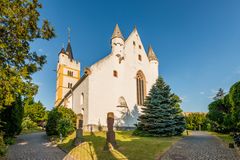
<point x="151" y="55"/>
<point x="69" y="51"/>
<point x="135" y="28"/>
<point x="153" y="63"/>
<point x="62" y="51"/>
<point x="117" y="33"/>
<point x="117" y="41"/>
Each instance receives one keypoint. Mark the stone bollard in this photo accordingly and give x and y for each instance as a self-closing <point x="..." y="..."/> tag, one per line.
<point x="79" y="130"/>
<point x="110" y="133"/>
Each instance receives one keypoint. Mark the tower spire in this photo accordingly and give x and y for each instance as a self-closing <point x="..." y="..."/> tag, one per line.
<point x="117" y="33"/>
<point x="69" y="48"/>
<point x="151" y="55"/>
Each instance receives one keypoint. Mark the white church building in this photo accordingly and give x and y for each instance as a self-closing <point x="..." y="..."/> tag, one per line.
<point x="117" y="83"/>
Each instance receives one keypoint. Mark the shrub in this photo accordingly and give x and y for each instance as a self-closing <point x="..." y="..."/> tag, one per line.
<point x="53" y="117"/>
<point x="65" y="126"/>
<point x="57" y="119"/>
<point x="68" y="114"/>
<point x="11" y="118"/>
<point x="9" y="140"/>
<point x="28" y="124"/>
<point x="3" y="147"/>
<point x="195" y="120"/>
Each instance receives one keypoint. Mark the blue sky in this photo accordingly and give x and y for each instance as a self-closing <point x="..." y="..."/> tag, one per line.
<point x="197" y="42"/>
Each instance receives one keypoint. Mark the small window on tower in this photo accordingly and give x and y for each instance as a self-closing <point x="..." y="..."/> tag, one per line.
<point x="134" y="43"/>
<point x="140" y="47"/>
<point x="70" y="73"/>
<point x="69" y="85"/>
<point x="139" y="57"/>
<point x="115" y="74"/>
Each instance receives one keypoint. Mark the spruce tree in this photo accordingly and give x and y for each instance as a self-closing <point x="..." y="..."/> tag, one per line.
<point x="161" y="114"/>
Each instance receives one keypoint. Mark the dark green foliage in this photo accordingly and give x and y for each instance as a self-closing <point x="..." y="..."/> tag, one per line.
<point x="65" y="126"/>
<point x="218" y="115"/>
<point x="68" y="114"/>
<point x="161" y="114"/>
<point x="224" y="113"/>
<point x="234" y="95"/>
<point x="196" y="120"/>
<point x="216" y="112"/>
<point x="11" y="118"/>
<point x="234" y="100"/>
<point x="3" y="147"/>
<point x="57" y="121"/>
<point x="53" y="118"/>
<point x="19" y="25"/>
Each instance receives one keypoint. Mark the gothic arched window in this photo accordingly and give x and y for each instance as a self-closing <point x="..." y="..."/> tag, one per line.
<point x="141" y="87"/>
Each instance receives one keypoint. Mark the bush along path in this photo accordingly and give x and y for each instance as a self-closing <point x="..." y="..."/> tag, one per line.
<point x="200" y="146"/>
<point x="34" y="146"/>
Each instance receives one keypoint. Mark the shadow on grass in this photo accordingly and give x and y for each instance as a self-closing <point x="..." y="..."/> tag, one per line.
<point x="99" y="141"/>
<point x="129" y="147"/>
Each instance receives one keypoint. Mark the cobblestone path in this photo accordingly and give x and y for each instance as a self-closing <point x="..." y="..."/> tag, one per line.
<point x="34" y="147"/>
<point x="200" y="146"/>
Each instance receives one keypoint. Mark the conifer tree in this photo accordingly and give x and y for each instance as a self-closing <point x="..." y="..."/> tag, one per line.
<point x="220" y="94"/>
<point x="161" y="114"/>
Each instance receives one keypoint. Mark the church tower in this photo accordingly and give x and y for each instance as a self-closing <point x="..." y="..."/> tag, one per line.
<point x="68" y="72"/>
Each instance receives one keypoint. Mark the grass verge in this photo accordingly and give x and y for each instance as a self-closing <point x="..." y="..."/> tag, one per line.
<point x="226" y="138"/>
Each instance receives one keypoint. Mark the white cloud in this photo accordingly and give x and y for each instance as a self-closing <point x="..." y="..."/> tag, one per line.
<point x="40" y="50"/>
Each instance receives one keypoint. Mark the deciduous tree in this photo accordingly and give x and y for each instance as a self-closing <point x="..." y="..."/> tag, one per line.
<point x="20" y="25"/>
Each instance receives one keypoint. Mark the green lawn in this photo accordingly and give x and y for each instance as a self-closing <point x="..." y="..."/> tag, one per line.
<point x="129" y="147"/>
<point x="226" y="138"/>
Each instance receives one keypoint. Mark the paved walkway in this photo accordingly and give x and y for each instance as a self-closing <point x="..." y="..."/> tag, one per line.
<point x="200" y="146"/>
<point x="34" y="147"/>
